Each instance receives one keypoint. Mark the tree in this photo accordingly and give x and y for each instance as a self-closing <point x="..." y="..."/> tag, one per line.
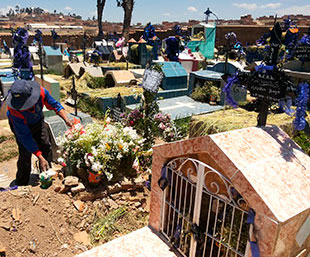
<point x="17" y="8"/>
<point x="127" y="6"/>
<point x="100" y="8"/>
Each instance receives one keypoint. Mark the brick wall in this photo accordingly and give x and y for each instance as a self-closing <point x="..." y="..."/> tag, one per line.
<point x="245" y="34"/>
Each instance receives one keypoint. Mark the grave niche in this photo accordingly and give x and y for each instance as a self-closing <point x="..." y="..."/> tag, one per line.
<point x="211" y="184"/>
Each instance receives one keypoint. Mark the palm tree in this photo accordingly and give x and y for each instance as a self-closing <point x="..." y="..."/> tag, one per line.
<point x="128" y="9"/>
<point x="100" y="8"/>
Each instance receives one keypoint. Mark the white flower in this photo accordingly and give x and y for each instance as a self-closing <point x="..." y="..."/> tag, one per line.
<point x="109" y="176"/>
<point x="96" y="167"/>
<point x="60" y="160"/>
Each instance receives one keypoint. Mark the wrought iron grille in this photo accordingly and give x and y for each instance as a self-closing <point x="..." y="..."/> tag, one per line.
<point x="203" y="215"/>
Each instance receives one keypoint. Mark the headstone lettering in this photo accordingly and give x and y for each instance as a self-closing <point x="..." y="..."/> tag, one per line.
<point x="152" y="80"/>
<point x="303" y="52"/>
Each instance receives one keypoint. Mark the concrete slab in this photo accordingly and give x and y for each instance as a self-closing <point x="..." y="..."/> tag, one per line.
<point x="182" y="107"/>
<point x="141" y="243"/>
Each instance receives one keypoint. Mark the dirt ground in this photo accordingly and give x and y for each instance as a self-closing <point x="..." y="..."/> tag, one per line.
<point x="38" y="222"/>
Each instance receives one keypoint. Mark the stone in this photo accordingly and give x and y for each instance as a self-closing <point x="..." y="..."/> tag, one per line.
<point x="16" y="214"/>
<point x="71" y="181"/>
<point x="79" y="205"/>
<point x="82" y="237"/>
<point x="2" y="251"/>
<point x="5" y="225"/>
<point x="77" y="189"/>
<point x="32" y="246"/>
<point x="137" y="204"/>
<point x="112" y="204"/>
<point x="89" y="196"/>
<point x="114" y="189"/>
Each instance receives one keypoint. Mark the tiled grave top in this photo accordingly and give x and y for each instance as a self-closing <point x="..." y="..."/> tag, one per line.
<point x="209" y="74"/>
<point x="121" y="77"/>
<point x="141" y="243"/>
<point x="182" y="107"/>
<point x="173" y="69"/>
<point x="273" y="165"/>
<point x="264" y="164"/>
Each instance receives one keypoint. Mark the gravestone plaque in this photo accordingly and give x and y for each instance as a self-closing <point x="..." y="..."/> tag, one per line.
<point x="271" y="86"/>
<point x="303" y="52"/>
<point x="152" y="80"/>
<point x="116" y="114"/>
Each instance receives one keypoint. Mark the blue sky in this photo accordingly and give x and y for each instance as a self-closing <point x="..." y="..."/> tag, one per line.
<point x="171" y="10"/>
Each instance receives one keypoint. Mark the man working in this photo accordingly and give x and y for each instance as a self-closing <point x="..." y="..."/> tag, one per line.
<point x="25" y="101"/>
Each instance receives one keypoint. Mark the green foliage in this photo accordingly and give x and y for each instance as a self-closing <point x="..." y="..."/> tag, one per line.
<point x="204" y="93"/>
<point x="105" y="227"/>
<point x="120" y="221"/>
<point x="90" y="105"/>
<point x="3" y="138"/>
<point x="93" y="82"/>
<point x="303" y="140"/>
<point x="183" y="126"/>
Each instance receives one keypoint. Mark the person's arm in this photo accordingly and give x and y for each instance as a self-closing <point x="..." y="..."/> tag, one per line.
<point x="24" y="136"/>
<point x="64" y="116"/>
<point x="52" y="104"/>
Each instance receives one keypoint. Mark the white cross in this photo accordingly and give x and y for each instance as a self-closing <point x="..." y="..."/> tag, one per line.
<point x="178" y="105"/>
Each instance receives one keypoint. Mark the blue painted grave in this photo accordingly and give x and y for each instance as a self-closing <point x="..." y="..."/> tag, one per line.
<point x="175" y="76"/>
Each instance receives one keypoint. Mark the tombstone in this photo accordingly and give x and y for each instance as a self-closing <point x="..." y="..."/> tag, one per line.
<point x="6" y="84"/>
<point x="175" y="76"/>
<point x="203" y="191"/>
<point x="118" y="78"/>
<point x="53" y="59"/>
<point x="53" y="87"/>
<point x="237" y="93"/>
<point x="57" y="127"/>
<point x="93" y="71"/>
<point x="74" y="69"/>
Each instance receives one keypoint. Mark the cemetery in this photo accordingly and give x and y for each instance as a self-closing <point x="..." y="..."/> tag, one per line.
<point x="156" y="147"/>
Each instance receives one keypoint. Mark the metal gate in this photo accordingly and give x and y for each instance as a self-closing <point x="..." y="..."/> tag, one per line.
<point x="203" y="215"/>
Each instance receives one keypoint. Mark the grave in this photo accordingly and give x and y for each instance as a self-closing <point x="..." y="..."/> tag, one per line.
<point x="57" y="127"/>
<point x="200" y="77"/>
<point x="74" y="69"/>
<point x="182" y="107"/>
<point x="6" y="84"/>
<point x="204" y="189"/>
<point x="230" y="68"/>
<point x="53" y="87"/>
<point x="205" y="46"/>
<point x="118" y="78"/>
<point x="213" y="182"/>
<point x="175" y="76"/>
<point x="53" y="59"/>
<point x="93" y="71"/>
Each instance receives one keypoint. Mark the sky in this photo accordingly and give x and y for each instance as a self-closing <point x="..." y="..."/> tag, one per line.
<point x="156" y="11"/>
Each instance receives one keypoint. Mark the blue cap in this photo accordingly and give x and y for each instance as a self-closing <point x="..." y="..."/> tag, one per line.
<point x="23" y="95"/>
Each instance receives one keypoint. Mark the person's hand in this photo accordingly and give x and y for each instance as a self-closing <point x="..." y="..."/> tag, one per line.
<point x="44" y="166"/>
<point x="69" y="123"/>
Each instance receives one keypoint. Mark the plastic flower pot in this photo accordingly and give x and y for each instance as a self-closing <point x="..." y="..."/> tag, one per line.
<point x="94" y="178"/>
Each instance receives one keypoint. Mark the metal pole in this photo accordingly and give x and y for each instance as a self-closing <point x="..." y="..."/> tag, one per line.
<point x="74" y="95"/>
<point x="41" y="63"/>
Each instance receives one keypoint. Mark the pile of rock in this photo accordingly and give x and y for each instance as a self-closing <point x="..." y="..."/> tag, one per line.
<point x="70" y="184"/>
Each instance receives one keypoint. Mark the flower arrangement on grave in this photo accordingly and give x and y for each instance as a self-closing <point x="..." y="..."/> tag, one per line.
<point x="147" y="120"/>
<point x="206" y="93"/>
<point x="103" y="150"/>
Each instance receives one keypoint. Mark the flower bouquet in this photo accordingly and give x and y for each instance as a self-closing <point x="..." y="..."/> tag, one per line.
<point x="102" y="150"/>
